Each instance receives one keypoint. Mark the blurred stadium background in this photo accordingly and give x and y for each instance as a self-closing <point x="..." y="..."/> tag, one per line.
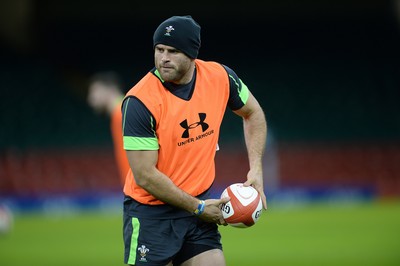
<point x="327" y="74"/>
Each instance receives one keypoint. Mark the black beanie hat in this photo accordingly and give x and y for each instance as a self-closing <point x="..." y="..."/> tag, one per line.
<point x="180" y="32"/>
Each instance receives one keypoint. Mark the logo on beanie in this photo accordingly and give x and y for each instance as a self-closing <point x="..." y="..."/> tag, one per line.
<point x="169" y="29"/>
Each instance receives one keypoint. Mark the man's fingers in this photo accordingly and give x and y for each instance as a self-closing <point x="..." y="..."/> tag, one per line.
<point x="224" y="200"/>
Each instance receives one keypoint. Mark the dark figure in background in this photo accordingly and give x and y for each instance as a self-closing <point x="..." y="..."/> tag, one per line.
<point x="105" y="95"/>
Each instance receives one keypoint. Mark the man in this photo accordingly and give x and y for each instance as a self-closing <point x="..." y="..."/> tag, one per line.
<point x="171" y="125"/>
<point x="105" y="96"/>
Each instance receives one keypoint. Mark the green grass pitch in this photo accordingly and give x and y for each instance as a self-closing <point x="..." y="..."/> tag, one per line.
<point x="312" y="234"/>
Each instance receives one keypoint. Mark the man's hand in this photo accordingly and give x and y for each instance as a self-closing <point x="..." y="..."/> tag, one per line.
<point x="212" y="211"/>
<point x="256" y="180"/>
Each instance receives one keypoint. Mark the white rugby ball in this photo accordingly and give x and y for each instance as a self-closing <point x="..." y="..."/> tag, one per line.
<point x="244" y="208"/>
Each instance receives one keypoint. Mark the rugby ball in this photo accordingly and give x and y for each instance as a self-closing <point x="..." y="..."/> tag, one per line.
<point x="244" y="208"/>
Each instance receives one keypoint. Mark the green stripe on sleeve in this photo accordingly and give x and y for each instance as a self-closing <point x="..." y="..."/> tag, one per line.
<point x="244" y="92"/>
<point x="137" y="143"/>
<point x="134" y="241"/>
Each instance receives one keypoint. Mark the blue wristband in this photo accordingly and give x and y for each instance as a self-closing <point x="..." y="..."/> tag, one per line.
<point x="200" y="208"/>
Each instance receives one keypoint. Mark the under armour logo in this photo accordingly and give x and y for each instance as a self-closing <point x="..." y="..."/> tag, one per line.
<point x="184" y="124"/>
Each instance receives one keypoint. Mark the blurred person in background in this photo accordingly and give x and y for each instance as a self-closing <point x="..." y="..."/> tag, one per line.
<point x="6" y="219"/>
<point x="105" y="95"/>
<point x="171" y="125"/>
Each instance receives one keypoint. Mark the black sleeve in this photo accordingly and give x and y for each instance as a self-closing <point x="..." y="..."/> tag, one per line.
<point x="235" y="86"/>
<point x="137" y="119"/>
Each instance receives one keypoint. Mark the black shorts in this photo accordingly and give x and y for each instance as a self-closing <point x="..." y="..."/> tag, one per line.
<point x="158" y="241"/>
